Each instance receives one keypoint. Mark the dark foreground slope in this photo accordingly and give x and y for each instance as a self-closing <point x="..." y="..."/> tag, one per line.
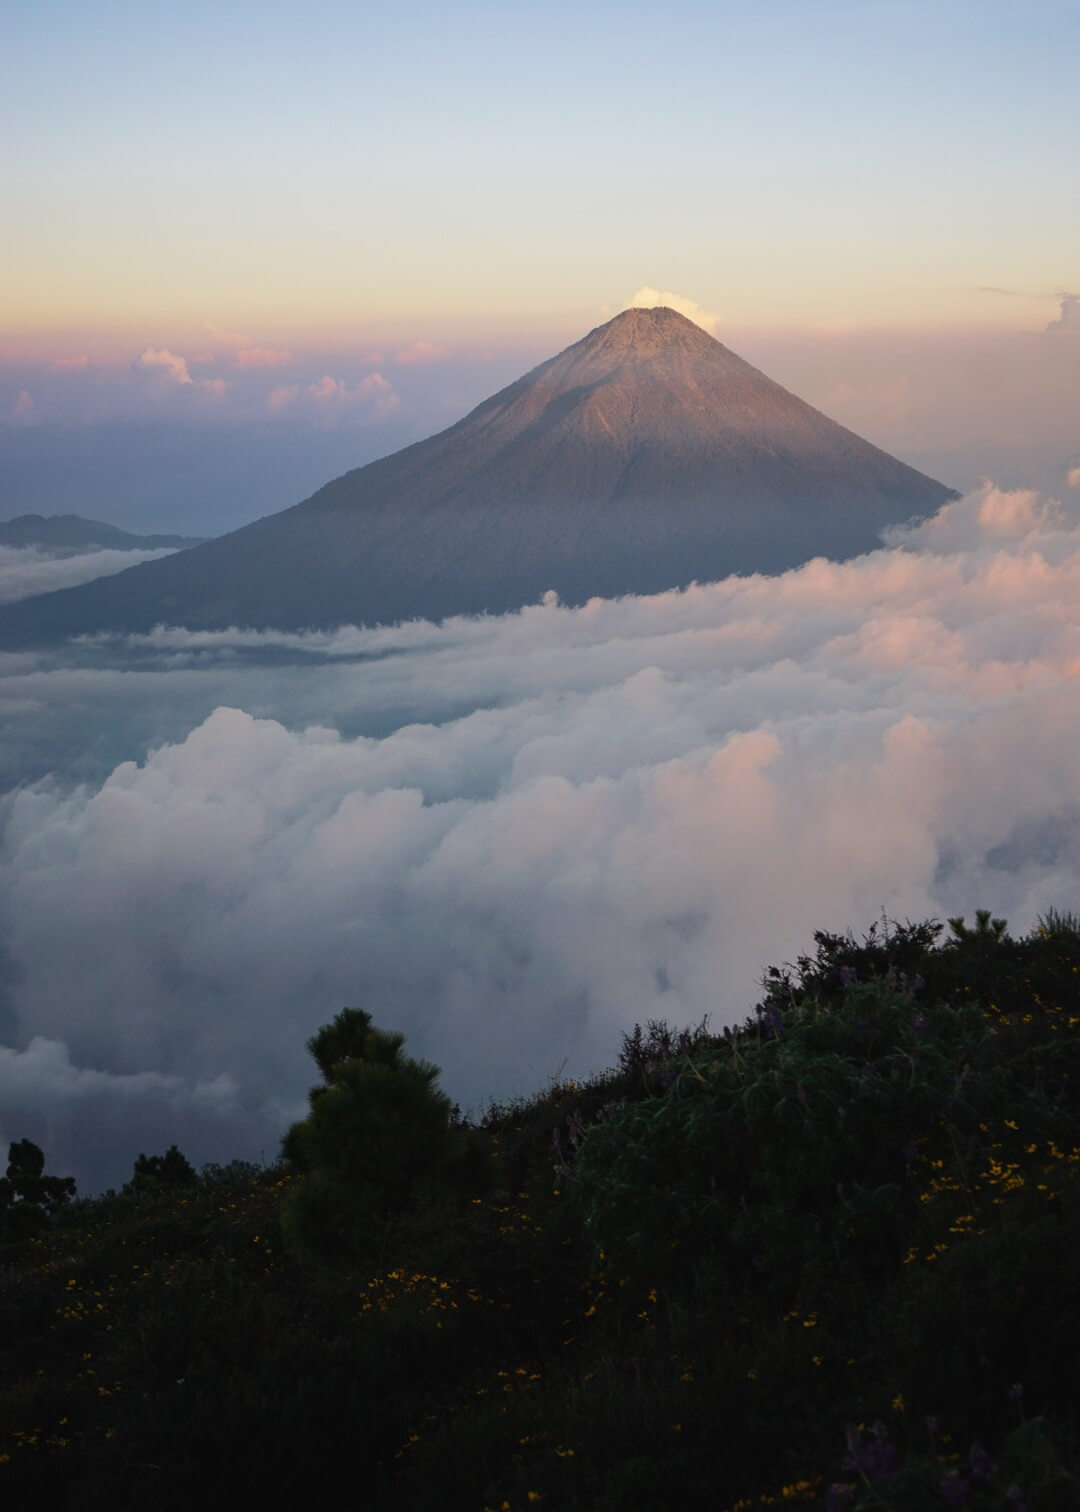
<point x="828" y="1261"/>
<point x="643" y="457"/>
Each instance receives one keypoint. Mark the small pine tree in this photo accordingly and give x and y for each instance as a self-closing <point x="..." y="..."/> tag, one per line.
<point x="380" y="1134"/>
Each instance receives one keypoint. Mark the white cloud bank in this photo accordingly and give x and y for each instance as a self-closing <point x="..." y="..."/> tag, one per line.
<point x="27" y="570"/>
<point x="561" y="821"/>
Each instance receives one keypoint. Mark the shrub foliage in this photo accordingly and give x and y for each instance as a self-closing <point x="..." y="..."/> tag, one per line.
<point x="828" y="1257"/>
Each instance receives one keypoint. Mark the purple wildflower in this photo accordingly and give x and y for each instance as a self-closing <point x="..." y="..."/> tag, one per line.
<point x="982" y="1466"/>
<point x="955" y="1489"/>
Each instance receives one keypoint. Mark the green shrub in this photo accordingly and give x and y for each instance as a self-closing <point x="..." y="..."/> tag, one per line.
<point x="380" y="1135"/>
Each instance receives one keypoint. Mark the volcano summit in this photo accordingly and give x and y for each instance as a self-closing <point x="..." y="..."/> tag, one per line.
<point x="643" y="457"/>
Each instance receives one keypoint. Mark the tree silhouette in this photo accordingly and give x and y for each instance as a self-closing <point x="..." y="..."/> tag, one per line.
<point x="380" y="1136"/>
<point x="170" y="1172"/>
<point x="28" y="1198"/>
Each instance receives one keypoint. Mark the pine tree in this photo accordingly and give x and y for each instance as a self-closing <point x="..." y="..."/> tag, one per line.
<point x="379" y="1137"/>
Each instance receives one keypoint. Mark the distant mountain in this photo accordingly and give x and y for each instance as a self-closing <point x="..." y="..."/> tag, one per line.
<point x="642" y="457"/>
<point x="69" y="533"/>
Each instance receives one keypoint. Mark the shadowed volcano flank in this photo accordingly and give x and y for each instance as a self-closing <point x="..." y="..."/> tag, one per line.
<point x="643" y="457"/>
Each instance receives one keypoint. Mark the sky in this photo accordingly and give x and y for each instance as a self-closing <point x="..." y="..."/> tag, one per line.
<point x="249" y="247"/>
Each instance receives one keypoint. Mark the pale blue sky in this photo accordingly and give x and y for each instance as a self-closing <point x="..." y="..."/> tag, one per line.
<point x="298" y="168"/>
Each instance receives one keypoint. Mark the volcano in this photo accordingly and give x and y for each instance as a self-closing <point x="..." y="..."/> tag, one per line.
<point x="643" y="457"/>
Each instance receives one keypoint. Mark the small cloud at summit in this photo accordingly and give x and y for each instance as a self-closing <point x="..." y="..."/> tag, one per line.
<point x="1069" y="319"/>
<point x="647" y="298"/>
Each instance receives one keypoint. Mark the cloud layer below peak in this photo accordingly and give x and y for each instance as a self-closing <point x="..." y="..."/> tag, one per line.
<point x="512" y="837"/>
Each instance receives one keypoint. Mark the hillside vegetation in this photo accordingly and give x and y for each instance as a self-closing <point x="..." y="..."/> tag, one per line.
<point x="829" y="1258"/>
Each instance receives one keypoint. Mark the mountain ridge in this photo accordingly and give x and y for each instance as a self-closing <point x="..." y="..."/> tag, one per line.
<point x="642" y="457"/>
<point x="73" y="533"/>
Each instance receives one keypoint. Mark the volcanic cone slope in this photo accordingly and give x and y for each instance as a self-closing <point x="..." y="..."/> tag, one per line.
<point x="643" y="457"/>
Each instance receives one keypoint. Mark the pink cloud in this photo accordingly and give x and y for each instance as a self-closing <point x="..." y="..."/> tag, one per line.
<point x="168" y="362"/>
<point x="24" y="406"/>
<point x="375" y="394"/>
<point x="329" y="390"/>
<point x="380" y="392"/>
<point x="70" y="364"/>
<point x="421" y="351"/>
<point x="261" y="357"/>
<point x="375" y="390"/>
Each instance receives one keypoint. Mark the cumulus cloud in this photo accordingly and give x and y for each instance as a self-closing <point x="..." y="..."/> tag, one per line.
<point x="421" y="352"/>
<point x="511" y="837"/>
<point x="647" y="298"/>
<point x="373" y="398"/>
<point x="27" y="570"/>
<point x="1069" y="319"/>
<point x="1074" y="476"/>
<point x="989" y="516"/>
<point x="160" y="359"/>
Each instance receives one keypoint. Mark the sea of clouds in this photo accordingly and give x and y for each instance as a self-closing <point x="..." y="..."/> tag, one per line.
<point x="512" y="837"/>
